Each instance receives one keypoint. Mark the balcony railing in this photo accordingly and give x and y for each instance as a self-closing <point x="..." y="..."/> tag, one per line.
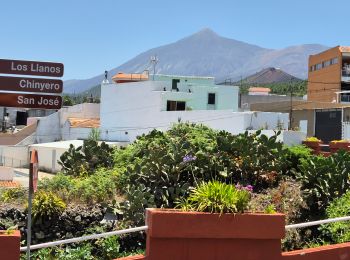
<point x="345" y="98"/>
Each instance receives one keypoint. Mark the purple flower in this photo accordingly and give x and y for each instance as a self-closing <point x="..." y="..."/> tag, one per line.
<point x="188" y="158"/>
<point x="248" y="188"/>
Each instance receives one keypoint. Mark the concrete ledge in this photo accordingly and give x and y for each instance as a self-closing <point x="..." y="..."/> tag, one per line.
<point x="134" y="257"/>
<point x="331" y="252"/>
<point x="6" y="173"/>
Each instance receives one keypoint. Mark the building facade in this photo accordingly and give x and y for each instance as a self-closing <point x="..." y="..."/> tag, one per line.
<point x="329" y="76"/>
<point x="131" y="109"/>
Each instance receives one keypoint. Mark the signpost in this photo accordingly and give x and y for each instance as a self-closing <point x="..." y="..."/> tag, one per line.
<point x="45" y="97"/>
<point x="33" y="181"/>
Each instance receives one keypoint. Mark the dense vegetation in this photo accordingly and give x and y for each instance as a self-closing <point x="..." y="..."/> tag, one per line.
<point x="299" y="88"/>
<point x="194" y="167"/>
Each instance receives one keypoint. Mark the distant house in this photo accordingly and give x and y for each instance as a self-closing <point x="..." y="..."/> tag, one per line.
<point x="259" y="91"/>
<point x="135" y="104"/>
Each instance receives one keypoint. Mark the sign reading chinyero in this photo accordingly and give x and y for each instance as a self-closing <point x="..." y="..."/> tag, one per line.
<point x="38" y="68"/>
<point x="23" y="84"/>
<point x="11" y="88"/>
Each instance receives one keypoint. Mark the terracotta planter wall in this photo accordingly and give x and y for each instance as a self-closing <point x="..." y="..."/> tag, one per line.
<point x="334" y="147"/>
<point x="190" y="235"/>
<point x="9" y="245"/>
<point x="313" y="145"/>
<point x="174" y="235"/>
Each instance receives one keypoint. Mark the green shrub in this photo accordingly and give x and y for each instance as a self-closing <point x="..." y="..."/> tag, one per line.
<point x="47" y="205"/>
<point x="62" y="185"/>
<point x="108" y="248"/>
<point x="83" y="252"/>
<point x="84" y="160"/>
<point x="296" y="153"/>
<point x="287" y="198"/>
<point x="168" y="163"/>
<point x="216" y="197"/>
<point x="14" y="194"/>
<point x="42" y="254"/>
<point x="338" y="232"/>
<point x="324" y="178"/>
<point x="98" y="187"/>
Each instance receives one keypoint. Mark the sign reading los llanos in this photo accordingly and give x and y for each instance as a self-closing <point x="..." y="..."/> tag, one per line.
<point x="10" y="87"/>
<point x="37" y="68"/>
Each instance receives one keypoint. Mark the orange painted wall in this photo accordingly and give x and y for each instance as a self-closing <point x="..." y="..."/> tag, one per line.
<point x="332" y="252"/>
<point x="331" y="74"/>
<point x="205" y="236"/>
<point x="9" y="245"/>
<point x="198" y="236"/>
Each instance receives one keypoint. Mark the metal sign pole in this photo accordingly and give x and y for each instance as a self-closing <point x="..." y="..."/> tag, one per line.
<point x="29" y="223"/>
<point x="33" y="181"/>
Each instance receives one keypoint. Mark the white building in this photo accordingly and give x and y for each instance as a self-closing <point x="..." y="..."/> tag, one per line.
<point x="133" y="107"/>
<point x="68" y="123"/>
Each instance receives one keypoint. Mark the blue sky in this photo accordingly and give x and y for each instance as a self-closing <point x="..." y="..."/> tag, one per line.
<point x="91" y="36"/>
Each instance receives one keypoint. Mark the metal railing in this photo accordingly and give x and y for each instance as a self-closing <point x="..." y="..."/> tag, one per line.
<point x="144" y="228"/>
<point x="84" y="238"/>
<point x="345" y="98"/>
<point x="318" y="222"/>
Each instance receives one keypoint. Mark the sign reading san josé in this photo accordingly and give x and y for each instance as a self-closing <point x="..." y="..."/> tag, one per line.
<point x="31" y="85"/>
<point x="30" y="101"/>
<point x="37" y="68"/>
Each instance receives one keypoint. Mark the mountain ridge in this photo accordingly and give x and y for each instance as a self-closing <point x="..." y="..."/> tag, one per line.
<point x="205" y="53"/>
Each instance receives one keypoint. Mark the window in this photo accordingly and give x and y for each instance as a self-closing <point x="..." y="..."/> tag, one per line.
<point x="175" y="105"/>
<point x="326" y="63"/>
<point x="318" y="66"/>
<point x="174" y="84"/>
<point x="311" y="68"/>
<point x="334" y="61"/>
<point x="211" y="98"/>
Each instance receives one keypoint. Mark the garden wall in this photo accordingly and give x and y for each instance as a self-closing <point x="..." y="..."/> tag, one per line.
<point x="189" y="235"/>
<point x="72" y="223"/>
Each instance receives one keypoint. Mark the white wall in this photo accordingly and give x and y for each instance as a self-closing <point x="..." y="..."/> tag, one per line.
<point x="6" y="173"/>
<point x="50" y="128"/>
<point x="48" y="157"/>
<point x="14" y="156"/>
<point x="132" y="109"/>
<point x="346" y="130"/>
<point x="289" y="138"/>
<point x="73" y="133"/>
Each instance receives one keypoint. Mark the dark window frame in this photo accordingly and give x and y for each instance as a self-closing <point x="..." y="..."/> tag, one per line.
<point x="211" y="98"/>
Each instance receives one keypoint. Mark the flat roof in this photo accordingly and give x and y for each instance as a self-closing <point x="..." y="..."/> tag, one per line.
<point x="76" y="143"/>
<point x="296" y="105"/>
<point x="182" y="76"/>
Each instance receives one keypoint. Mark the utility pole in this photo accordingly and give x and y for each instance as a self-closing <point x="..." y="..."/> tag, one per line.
<point x="291" y="106"/>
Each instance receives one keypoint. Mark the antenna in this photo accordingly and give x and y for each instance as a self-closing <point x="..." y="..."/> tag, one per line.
<point x="154" y="61"/>
<point x="105" y="81"/>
